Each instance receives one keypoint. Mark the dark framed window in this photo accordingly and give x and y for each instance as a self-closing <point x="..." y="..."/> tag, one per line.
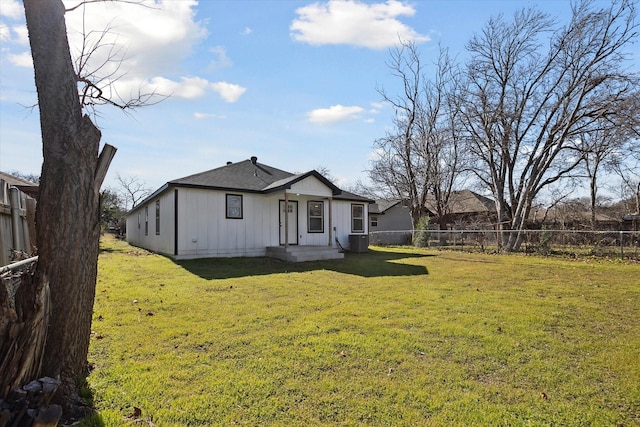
<point x="158" y="217"/>
<point x="234" y="206"/>
<point x="315" y="217"/>
<point x="146" y="220"/>
<point x="374" y="221"/>
<point x="357" y="218"/>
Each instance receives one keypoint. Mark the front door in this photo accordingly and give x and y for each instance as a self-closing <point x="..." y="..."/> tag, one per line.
<point x="292" y="218"/>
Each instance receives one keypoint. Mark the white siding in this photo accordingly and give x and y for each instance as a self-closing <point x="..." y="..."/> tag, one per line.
<point x="310" y="186"/>
<point x="394" y="219"/>
<point x="304" y="236"/>
<point x="342" y="220"/>
<point x="162" y="242"/>
<point x="204" y="230"/>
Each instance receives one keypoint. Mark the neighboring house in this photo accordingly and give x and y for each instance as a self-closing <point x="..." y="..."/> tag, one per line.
<point x="389" y="223"/>
<point x="390" y="220"/>
<point x="17" y="216"/>
<point x="571" y="219"/>
<point x="250" y="209"/>
<point x="466" y="210"/>
<point x="631" y="222"/>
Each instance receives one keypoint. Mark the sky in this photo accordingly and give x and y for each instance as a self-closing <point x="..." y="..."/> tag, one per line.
<point x="294" y="83"/>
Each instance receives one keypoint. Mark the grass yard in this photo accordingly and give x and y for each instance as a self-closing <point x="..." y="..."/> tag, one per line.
<point x="393" y="337"/>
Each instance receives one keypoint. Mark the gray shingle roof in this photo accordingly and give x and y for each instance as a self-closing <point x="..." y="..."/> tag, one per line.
<point x="241" y="176"/>
<point x="247" y="176"/>
<point x="383" y="205"/>
<point x="464" y="202"/>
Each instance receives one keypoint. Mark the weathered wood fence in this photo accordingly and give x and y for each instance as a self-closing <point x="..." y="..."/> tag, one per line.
<point x="17" y="222"/>
<point x="24" y="316"/>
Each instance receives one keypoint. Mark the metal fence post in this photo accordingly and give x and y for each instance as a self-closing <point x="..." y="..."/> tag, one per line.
<point x="16" y="222"/>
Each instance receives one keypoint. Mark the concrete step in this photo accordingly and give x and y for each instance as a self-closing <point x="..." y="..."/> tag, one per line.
<point x="304" y="253"/>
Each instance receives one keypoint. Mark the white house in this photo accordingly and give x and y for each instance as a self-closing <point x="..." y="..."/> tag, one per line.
<point x="250" y="209"/>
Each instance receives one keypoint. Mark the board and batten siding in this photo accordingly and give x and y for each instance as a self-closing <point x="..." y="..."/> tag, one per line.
<point x="342" y="220"/>
<point x="194" y="224"/>
<point x="310" y="186"/>
<point x="162" y="242"/>
<point x="205" y="231"/>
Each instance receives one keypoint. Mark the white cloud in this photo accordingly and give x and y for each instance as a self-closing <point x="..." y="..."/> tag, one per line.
<point x="14" y="34"/>
<point x="142" y="44"/>
<point x="191" y="88"/>
<point x="201" y="116"/>
<point x="221" y="59"/>
<point x="11" y="9"/>
<point x="247" y="31"/>
<point x="5" y="32"/>
<point x="22" y="35"/>
<point x="186" y="88"/>
<point x="152" y="37"/>
<point x="375" y="26"/>
<point x="376" y="107"/>
<point x="334" y="114"/>
<point x="228" y="91"/>
<point x="23" y="59"/>
<point x="375" y="154"/>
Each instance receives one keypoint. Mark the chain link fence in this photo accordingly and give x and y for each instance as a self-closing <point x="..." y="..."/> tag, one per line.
<point x="609" y="244"/>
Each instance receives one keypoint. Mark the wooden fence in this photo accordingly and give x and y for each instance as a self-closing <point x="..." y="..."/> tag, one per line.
<point x="17" y="222"/>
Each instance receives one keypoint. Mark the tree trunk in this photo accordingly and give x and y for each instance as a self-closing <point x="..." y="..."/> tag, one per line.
<point x="67" y="216"/>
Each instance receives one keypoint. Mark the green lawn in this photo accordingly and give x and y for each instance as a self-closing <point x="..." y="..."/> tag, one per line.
<point x="392" y="337"/>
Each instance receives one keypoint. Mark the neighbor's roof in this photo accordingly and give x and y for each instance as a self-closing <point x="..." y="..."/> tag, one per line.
<point x="27" y="187"/>
<point x="383" y="205"/>
<point x="559" y="215"/>
<point x="464" y="202"/>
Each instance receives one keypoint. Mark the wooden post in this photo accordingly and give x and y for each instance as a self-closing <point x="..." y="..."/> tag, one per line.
<point x="286" y="220"/>
<point x="31" y="224"/>
<point x="104" y="160"/>
<point x="16" y="223"/>
<point x="330" y="222"/>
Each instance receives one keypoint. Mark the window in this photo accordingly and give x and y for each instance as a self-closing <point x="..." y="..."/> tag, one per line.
<point x="146" y="220"/>
<point x="374" y="221"/>
<point x="158" y="217"/>
<point x="139" y="221"/>
<point x="357" y="218"/>
<point x="315" y="221"/>
<point x="234" y="206"/>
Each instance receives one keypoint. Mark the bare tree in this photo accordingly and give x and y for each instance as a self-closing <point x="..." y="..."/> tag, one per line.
<point x="132" y="190"/>
<point x="525" y="104"/>
<point x="439" y="139"/>
<point x="627" y="168"/>
<point x="605" y="147"/>
<point x="420" y="157"/>
<point x="398" y="168"/>
<point x="68" y="216"/>
<point x="98" y="65"/>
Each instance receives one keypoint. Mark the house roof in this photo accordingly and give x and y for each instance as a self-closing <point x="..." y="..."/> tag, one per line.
<point x="27" y="187"/>
<point x="346" y="195"/>
<point x="289" y="181"/>
<point x="249" y="176"/>
<point x="464" y="202"/>
<point x="245" y="176"/>
<point x="383" y="205"/>
<point x="559" y="215"/>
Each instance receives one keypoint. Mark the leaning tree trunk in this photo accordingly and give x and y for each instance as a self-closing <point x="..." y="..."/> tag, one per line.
<point x="67" y="216"/>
